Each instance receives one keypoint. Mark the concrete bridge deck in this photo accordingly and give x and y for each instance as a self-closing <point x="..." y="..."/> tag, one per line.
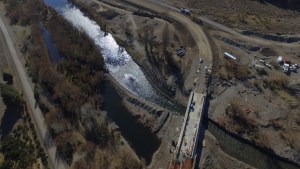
<point x="189" y="135"/>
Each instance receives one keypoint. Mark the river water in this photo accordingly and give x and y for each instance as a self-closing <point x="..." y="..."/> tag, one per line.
<point x="53" y="51"/>
<point x="129" y="74"/>
<point x="117" y="60"/>
<point x="242" y="151"/>
<point x="123" y="69"/>
<point x="141" y="139"/>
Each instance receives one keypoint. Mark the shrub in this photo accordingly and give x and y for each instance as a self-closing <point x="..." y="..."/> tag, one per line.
<point x="262" y="72"/>
<point x="240" y="72"/>
<point x="66" y="151"/>
<point x="275" y="65"/>
<point x="14" y="149"/>
<point x="8" y="78"/>
<point x="277" y="82"/>
<point x="11" y="96"/>
<point x="237" y="114"/>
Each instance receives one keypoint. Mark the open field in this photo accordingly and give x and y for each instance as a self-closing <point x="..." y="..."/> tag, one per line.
<point x="253" y="15"/>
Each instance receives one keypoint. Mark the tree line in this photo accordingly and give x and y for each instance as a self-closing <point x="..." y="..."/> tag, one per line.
<point x="64" y="89"/>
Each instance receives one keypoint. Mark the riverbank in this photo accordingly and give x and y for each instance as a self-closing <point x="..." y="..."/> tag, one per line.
<point x="213" y="157"/>
<point x="246" y="151"/>
<point x="169" y="72"/>
<point x="165" y="124"/>
<point x="148" y="114"/>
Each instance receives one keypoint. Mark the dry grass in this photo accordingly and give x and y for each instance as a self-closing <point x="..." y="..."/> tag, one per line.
<point x="242" y="123"/>
<point x="275" y="65"/>
<point x="292" y="100"/>
<point x="233" y="70"/>
<point x="277" y="81"/>
<point x="1" y="158"/>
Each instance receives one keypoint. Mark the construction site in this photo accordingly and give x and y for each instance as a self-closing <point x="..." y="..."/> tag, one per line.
<point x="184" y="83"/>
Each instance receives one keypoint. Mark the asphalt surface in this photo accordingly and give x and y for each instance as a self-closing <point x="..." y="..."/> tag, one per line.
<point x="36" y="115"/>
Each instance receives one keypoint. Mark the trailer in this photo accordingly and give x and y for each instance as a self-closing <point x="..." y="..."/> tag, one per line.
<point x="227" y="55"/>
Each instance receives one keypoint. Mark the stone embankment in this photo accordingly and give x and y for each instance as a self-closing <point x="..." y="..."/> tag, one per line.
<point x="153" y="75"/>
<point x="148" y="113"/>
<point x="273" y="37"/>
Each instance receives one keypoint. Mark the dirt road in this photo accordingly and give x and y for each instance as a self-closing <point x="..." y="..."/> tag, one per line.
<point x="228" y="29"/>
<point x="36" y="115"/>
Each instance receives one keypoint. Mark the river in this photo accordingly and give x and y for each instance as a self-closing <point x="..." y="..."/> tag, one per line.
<point x="141" y="139"/>
<point x="123" y="69"/>
<point x="241" y="150"/>
<point x="53" y="51"/>
<point x="117" y="60"/>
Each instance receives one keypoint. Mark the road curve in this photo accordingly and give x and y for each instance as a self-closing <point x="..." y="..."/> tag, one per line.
<point x="36" y="115"/>
<point x="228" y="29"/>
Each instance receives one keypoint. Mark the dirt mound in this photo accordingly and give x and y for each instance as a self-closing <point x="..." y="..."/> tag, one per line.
<point x="268" y="52"/>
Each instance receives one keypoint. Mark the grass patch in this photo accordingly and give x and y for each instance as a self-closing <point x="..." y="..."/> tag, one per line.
<point x="243" y="124"/>
<point x="277" y="82"/>
<point x="234" y="70"/>
<point x="292" y="100"/>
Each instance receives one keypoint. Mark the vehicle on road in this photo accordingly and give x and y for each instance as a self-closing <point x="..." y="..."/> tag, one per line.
<point x="185" y="11"/>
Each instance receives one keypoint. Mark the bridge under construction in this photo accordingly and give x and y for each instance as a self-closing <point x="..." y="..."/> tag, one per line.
<point x="185" y="153"/>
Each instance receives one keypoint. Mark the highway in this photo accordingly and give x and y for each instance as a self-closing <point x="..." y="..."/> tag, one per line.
<point x="36" y="114"/>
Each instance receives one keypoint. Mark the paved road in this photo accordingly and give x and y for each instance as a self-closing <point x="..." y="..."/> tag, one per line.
<point x="36" y="115"/>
